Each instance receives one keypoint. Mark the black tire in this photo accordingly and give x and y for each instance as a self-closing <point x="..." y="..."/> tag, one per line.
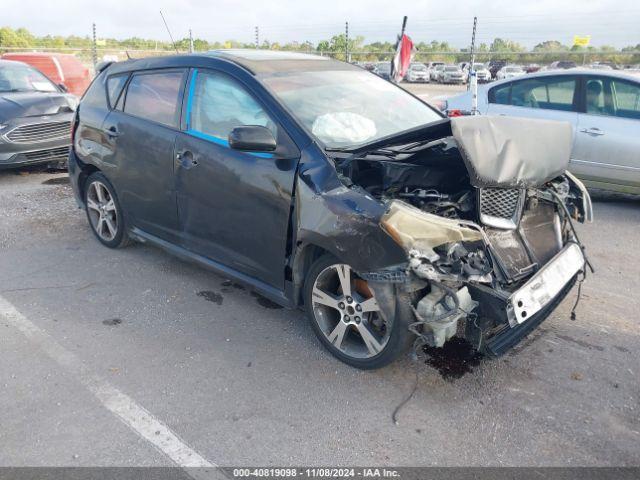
<point x="119" y="238"/>
<point x="398" y="340"/>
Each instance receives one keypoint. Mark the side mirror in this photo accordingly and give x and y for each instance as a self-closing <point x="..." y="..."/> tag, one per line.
<point x="63" y="87"/>
<point x="252" y="138"/>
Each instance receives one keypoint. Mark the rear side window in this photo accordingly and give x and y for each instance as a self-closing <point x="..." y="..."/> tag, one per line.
<point x="155" y="96"/>
<point x="627" y="97"/>
<point x="219" y="104"/>
<point x="115" y="84"/>
<point x="95" y="95"/>
<point x="612" y="97"/>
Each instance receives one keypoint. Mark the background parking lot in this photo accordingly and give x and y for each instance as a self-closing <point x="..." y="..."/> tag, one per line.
<point x="242" y="381"/>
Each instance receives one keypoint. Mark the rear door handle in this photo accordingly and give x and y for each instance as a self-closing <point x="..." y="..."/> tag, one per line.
<point x="185" y="159"/>
<point x="112" y="131"/>
<point x="592" y="131"/>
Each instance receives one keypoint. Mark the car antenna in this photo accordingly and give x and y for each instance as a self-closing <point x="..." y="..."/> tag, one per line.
<point x="169" y="31"/>
<point x="128" y="56"/>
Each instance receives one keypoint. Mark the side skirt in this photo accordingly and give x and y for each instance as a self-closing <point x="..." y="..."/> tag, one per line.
<point x="273" y="294"/>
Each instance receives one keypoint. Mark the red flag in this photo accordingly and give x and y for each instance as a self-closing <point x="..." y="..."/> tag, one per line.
<point x="402" y="58"/>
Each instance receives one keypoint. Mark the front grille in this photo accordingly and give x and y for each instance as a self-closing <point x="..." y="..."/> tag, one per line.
<point x="51" y="154"/>
<point x="500" y="207"/>
<point x="39" y="132"/>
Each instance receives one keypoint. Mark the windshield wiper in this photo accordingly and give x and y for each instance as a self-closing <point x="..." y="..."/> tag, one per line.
<point x="338" y="149"/>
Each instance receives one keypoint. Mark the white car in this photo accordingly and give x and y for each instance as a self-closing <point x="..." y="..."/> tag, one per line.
<point x="417" y="73"/>
<point x="603" y="106"/>
<point x="510" y="71"/>
<point x="482" y="72"/>
<point x="600" y="66"/>
<point x="450" y="74"/>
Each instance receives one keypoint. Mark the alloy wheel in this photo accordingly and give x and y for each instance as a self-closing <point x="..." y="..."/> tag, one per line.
<point x="347" y="313"/>
<point x="102" y="211"/>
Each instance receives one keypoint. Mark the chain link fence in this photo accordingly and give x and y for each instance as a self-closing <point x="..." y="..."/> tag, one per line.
<point x="619" y="59"/>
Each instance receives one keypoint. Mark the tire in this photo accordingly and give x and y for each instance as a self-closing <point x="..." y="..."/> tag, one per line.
<point x="104" y="212"/>
<point x="365" y="340"/>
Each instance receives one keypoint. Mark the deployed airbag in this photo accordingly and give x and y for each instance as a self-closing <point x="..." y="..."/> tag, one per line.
<point x="343" y="127"/>
<point x="512" y="152"/>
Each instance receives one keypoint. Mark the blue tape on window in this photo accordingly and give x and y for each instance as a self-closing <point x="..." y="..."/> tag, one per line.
<point x="224" y="143"/>
<point x="211" y="138"/>
<point x="219" y="141"/>
<point x="192" y="87"/>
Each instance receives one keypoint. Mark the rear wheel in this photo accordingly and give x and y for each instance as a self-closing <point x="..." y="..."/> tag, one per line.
<point x="104" y="212"/>
<point x="347" y="319"/>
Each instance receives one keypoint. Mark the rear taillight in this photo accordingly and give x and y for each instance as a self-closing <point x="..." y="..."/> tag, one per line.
<point x="74" y="124"/>
<point x="454" y="112"/>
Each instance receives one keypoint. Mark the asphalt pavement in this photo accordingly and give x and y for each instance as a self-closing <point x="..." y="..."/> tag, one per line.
<point x="132" y="357"/>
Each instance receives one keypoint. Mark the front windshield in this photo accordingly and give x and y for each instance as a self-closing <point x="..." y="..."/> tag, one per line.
<point x="21" y="78"/>
<point x="418" y="68"/>
<point x="451" y="69"/>
<point x="384" y="67"/>
<point x="478" y="66"/>
<point x="348" y="108"/>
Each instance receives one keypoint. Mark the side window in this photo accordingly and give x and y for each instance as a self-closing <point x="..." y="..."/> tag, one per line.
<point x="218" y="104"/>
<point x="627" y="99"/>
<point x="95" y="95"/>
<point x="500" y="94"/>
<point x="551" y="93"/>
<point x="115" y="84"/>
<point x="155" y="96"/>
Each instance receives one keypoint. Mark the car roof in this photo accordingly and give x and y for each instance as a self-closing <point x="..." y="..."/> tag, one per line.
<point x="11" y="62"/>
<point x="572" y="71"/>
<point x="255" y="62"/>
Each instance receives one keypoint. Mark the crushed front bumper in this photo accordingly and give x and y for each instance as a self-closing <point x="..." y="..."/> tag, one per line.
<point x="499" y="341"/>
<point x="545" y="285"/>
<point x="500" y="323"/>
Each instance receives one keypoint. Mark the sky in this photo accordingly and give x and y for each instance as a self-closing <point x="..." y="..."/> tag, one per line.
<point x="609" y="22"/>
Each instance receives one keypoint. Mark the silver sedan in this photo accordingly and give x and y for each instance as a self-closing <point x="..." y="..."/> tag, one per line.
<point x="603" y="106"/>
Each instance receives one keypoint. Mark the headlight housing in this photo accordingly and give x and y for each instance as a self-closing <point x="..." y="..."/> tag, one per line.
<point x="414" y="229"/>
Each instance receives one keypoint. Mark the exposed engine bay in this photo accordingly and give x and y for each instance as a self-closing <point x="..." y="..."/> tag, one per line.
<point x="480" y="213"/>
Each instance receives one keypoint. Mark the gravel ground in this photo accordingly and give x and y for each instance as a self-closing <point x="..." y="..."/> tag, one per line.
<point x="242" y="382"/>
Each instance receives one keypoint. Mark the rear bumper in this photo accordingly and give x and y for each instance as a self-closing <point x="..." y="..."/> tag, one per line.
<point x="74" y="178"/>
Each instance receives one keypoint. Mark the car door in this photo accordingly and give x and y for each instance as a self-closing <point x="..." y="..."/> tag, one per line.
<point x="233" y="206"/>
<point x="142" y="131"/>
<point x="607" y="148"/>
<point x="544" y="97"/>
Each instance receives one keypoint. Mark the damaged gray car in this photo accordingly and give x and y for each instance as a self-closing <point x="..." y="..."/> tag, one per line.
<point x="323" y="187"/>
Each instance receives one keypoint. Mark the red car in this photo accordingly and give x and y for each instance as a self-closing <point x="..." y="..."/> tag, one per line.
<point x="62" y="69"/>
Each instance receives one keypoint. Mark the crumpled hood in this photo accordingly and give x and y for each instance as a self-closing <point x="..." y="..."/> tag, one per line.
<point x="512" y="152"/>
<point x="29" y="104"/>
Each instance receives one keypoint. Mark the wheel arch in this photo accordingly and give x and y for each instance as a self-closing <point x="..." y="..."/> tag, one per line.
<point x="306" y="254"/>
<point x="86" y="170"/>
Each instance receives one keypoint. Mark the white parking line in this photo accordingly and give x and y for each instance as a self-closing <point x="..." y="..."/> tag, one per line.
<point x="124" y="407"/>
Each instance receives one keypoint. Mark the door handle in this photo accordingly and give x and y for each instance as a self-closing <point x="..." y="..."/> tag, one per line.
<point x="592" y="131"/>
<point x="185" y="159"/>
<point x="112" y="131"/>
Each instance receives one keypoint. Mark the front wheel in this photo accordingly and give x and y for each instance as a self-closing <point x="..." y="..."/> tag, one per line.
<point x="347" y="319"/>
